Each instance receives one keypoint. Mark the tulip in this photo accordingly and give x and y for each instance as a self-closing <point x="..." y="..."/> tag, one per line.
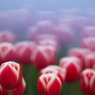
<point x="10" y="75"/>
<point x="87" y="82"/>
<point x="88" y="31"/>
<point x="90" y="60"/>
<point x="49" y="84"/>
<point x="3" y="91"/>
<point x="89" y="43"/>
<point x="24" y="51"/>
<point x="80" y="53"/>
<point x="64" y="34"/>
<point x="45" y="26"/>
<point x="60" y="72"/>
<point x="32" y="33"/>
<point x="72" y="66"/>
<point x="44" y="56"/>
<point x="20" y="90"/>
<point x="7" y="52"/>
<point x="6" y="36"/>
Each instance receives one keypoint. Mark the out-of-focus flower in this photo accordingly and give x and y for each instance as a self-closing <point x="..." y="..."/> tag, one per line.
<point x="72" y="66"/>
<point x="88" y="31"/>
<point x="80" y="53"/>
<point x="32" y="33"/>
<point x="10" y="75"/>
<point x="90" y="60"/>
<point x="60" y="72"/>
<point x="20" y="90"/>
<point x="46" y="36"/>
<point x="87" y="82"/>
<point x="45" y="26"/>
<point x="44" y="56"/>
<point x="6" y="36"/>
<point x="7" y="52"/>
<point x="64" y="34"/>
<point x="49" y="84"/>
<point x="23" y="51"/>
<point x="89" y="43"/>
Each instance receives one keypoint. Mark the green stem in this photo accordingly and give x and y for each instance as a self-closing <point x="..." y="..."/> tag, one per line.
<point x="10" y="92"/>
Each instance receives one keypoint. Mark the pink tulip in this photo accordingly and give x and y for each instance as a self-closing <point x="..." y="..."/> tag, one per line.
<point x="46" y="36"/>
<point x="10" y="75"/>
<point x="24" y="51"/>
<point x="89" y="43"/>
<point x="32" y="33"/>
<point x="6" y="36"/>
<point x="45" y="26"/>
<point x="7" y="52"/>
<point x="72" y="66"/>
<point x="44" y="56"/>
<point x="60" y="72"/>
<point x="64" y="34"/>
<point x="88" y="31"/>
<point x="80" y="53"/>
<point x="87" y="82"/>
<point x="49" y="84"/>
<point x="90" y="60"/>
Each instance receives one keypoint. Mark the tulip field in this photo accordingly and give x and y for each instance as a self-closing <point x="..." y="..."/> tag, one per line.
<point x="47" y="52"/>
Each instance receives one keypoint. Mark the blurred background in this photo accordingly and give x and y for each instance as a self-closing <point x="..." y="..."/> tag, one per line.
<point x="51" y="26"/>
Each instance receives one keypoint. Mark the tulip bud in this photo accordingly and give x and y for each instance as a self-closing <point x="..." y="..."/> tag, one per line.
<point x="80" y="53"/>
<point x="89" y="43"/>
<point x="49" y="84"/>
<point x="10" y="75"/>
<point x="44" y="56"/>
<point x="72" y="66"/>
<point x="90" y="60"/>
<point x="6" y="36"/>
<point x="7" y="52"/>
<point x="24" y="51"/>
<point x="87" y="82"/>
<point x="60" y="72"/>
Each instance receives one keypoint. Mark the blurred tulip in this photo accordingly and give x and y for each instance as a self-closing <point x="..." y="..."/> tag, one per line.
<point x="87" y="82"/>
<point x="46" y="36"/>
<point x="44" y="56"/>
<point x="10" y="75"/>
<point x="49" y="84"/>
<point x="80" y="53"/>
<point x="90" y="60"/>
<point x="72" y="66"/>
<point x="60" y="72"/>
<point x="6" y="36"/>
<point x="45" y="26"/>
<point x="7" y="52"/>
<point x="89" y="43"/>
<point x="32" y="33"/>
<point x="24" y="51"/>
<point x="64" y="34"/>
<point x="88" y="31"/>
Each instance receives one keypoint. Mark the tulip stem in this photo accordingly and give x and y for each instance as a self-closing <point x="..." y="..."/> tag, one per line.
<point x="10" y="92"/>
